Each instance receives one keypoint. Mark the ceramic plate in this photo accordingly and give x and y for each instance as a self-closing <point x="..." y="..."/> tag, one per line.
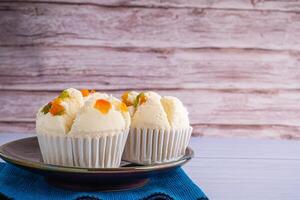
<point x="25" y="153"/>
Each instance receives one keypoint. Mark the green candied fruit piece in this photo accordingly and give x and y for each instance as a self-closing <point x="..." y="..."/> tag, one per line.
<point x="46" y="108"/>
<point x="64" y="94"/>
<point x="137" y="99"/>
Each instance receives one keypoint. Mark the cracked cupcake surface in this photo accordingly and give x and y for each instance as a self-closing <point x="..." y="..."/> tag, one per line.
<point x="176" y="112"/>
<point x="160" y="128"/>
<point x="128" y="99"/>
<point x="101" y="114"/>
<point x="70" y="127"/>
<point x="56" y="117"/>
<point x="150" y="110"/>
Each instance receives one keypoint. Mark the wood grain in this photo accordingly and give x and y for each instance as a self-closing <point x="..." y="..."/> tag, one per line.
<point x="207" y="130"/>
<point x="234" y="64"/>
<point x="29" y="68"/>
<point x="76" y="25"/>
<point x="205" y="106"/>
<point x="274" y="5"/>
<point x="211" y="112"/>
<point x="17" y="127"/>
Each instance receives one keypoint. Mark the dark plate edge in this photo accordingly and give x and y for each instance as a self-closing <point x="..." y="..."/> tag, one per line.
<point x="56" y="168"/>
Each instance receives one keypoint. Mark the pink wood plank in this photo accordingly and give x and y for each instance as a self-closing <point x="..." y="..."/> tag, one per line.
<point x="216" y="4"/>
<point x="17" y="127"/>
<point x="34" y="68"/>
<point x="190" y="50"/>
<point x="211" y="130"/>
<point x="88" y="25"/>
<point x="205" y="106"/>
<point x="211" y="112"/>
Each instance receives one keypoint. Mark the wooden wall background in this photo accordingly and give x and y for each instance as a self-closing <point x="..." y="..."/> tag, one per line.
<point x="234" y="63"/>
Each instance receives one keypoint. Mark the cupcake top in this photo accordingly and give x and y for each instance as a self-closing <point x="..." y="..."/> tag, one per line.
<point x="82" y="112"/>
<point x="150" y="110"/>
<point x="101" y="114"/>
<point x="176" y="112"/>
<point x="57" y="116"/>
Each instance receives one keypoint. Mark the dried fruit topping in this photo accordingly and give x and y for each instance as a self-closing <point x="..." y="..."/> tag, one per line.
<point x="120" y="106"/>
<point x="54" y="106"/>
<point x="56" y="101"/>
<point x="125" y="96"/>
<point x="140" y="99"/>
<point x="46" y="108"/>
<point x="103" y="105"/>
<point x="143" y="99"/>
<point x="123" y="107"/>
<point x="125" y="99"/>
<point x="86" y="92"/>
<point x="64" y="94"/>
<point x="56" y="109"/>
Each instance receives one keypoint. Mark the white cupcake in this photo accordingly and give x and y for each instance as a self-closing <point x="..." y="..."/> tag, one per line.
<point x="53" y="122"/>
<point x="79" y="132"/>
<point x="99" y="132"/>
<point x="159" y="131"/>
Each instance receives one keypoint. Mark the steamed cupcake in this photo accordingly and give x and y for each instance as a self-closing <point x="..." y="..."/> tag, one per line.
<point x="99" y="132"/>
<point x="54" y="121"/>
<point x="159" y="130"/>
<point x="83" y="130"/>
<point x="101" y="114"/>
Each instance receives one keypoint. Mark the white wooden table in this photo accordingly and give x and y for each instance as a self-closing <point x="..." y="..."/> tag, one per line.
<point x="242" y="169"/>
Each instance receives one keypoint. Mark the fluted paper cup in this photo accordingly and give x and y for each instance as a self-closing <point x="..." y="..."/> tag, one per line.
<point x="96" y="151"/>
<point x="99" y="152"/>
<point x="152" y="146"/>
<point x="56" y="149"/>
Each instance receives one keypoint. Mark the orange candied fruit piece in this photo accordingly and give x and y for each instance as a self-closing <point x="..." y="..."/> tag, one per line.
<point x="56" y="109"/>
<point x="120" y="106"/>
<point x="103" y="105"/>
<point x="123" y="107"/>
<point x="56" y="101"/>
<point x="85" y="92"/>
<point x="143" y="99"/>
<point x="125" y="98"/>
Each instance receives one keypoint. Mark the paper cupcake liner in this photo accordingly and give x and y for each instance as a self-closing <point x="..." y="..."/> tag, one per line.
<point x="100" y="152"/>
<point x="103" y="151"/>
<point x="151" y="146"/>
<point x="56" y="149"/>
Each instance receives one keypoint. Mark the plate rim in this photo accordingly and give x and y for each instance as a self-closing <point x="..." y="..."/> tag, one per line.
<point x="65" y="169"/>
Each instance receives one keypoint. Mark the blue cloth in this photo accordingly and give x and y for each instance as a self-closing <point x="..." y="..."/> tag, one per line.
<point x="17" y="183"/>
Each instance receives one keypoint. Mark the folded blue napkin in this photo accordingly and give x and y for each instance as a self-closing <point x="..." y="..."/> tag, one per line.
<point x="18" y="184"/>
